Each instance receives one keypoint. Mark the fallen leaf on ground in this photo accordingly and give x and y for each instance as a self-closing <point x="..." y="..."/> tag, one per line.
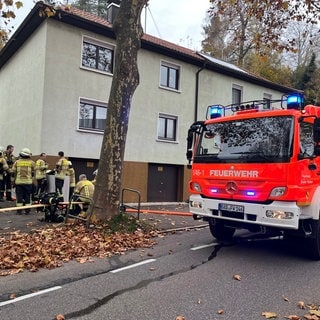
<point x="311" y="317"/>
<point x="301" y="305"/>
<point x="269" y="315"/>
<point x="315" y="312"/>
<point x="237" y="277"/>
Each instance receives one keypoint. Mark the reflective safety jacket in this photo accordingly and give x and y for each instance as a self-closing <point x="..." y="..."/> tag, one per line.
<point x="62" y="168"/>
<point x="3" y="167"/>
<point x="23" y="170"/>
<point x="84" y="188"/>
<point x="41" y="168"/>
<point x="11" y="159"/>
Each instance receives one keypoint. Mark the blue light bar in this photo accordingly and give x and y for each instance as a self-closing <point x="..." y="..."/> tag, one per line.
<point x="215" y="111"/>
<point x="294" y="101"/>
<point x="250" y="193"/>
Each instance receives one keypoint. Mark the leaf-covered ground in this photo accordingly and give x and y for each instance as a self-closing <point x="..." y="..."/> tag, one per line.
<point x="50" y="247"/>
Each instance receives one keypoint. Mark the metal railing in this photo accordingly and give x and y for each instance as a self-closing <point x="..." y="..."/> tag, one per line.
<point x="124" y="206"/>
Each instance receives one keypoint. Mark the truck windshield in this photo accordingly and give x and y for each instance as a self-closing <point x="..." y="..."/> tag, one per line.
<point x="258" y="140"/>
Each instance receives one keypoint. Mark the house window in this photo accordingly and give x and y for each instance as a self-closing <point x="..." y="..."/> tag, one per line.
<point x="92" y="115"/>
<point x="97" y="56"/>
<point x="167" y="127"/>
<point x="169" y="76"/>
<point x="236" y="95"/>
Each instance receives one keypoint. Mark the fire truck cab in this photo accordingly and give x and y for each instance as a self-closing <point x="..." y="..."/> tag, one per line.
<point x="256" y="166"/>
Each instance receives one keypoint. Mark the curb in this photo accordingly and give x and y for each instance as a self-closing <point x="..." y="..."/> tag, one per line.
<point x="175" y="213"/>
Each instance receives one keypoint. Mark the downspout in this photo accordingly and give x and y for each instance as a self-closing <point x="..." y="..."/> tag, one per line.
<point x="196" y="105"/>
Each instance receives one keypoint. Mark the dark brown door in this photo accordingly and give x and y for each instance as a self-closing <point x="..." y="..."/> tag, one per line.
<point x="86" y="166"/>
<point x="163" y="183"/>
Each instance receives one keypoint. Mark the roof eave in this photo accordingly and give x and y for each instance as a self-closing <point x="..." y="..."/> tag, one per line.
<point x="83" y="23"/>
<point x="154" y="47"/>
<point x="246" y="76"/>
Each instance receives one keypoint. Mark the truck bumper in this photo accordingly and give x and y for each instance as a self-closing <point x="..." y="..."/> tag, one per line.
<point x="251" y="213"/>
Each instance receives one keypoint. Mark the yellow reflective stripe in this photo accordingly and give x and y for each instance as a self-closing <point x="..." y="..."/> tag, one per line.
<point x="24" y="169"/>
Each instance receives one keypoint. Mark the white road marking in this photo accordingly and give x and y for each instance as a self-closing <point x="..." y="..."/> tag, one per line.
<point x="133" y="265"/>
<point x="204" y="246"/>
<point x="29" y="295"/>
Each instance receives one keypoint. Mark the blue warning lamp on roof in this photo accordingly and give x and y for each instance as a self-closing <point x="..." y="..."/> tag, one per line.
<point x="295" y="101"/>
<point x="215" y="111"/>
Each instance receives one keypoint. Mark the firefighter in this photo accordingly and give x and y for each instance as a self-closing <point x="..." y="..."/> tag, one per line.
<point x="62" y="169"/>
<point x="8" y="177"/>
<point x="72" y="181"/>
<point x="23" y="171"/>
<point x="3" y="170"/>
<point x="41" y="170"/>
<point x="83" y="192"/>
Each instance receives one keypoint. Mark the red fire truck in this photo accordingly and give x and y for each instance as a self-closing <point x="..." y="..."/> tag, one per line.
<point x="256" y="166"/>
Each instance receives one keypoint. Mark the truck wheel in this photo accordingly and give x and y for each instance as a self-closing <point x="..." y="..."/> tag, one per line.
<point x="220" y="231"/>
<point x="313" y="244"/>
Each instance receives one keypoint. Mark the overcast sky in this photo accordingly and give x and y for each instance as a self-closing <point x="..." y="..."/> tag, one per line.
<point x="178" y="21"/>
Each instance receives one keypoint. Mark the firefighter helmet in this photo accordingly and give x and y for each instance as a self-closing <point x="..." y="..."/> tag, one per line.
<point x="25" y="152"/>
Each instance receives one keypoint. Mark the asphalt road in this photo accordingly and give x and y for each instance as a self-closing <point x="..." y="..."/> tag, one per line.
<point x="186" y="273"/>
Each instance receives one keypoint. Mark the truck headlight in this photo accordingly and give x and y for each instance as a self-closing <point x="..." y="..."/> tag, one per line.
<point x="196" y="204"/>
<point x="279" y="214"/>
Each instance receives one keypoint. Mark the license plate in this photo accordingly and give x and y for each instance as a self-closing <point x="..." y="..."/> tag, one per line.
<point x="231" y="207"/>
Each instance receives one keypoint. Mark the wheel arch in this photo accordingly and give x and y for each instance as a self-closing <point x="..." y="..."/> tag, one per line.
<point x="313" y="209"/>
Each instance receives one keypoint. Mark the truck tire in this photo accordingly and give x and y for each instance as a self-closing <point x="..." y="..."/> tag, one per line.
<point x="220" y="231"/>
<point x="313" y="243"/>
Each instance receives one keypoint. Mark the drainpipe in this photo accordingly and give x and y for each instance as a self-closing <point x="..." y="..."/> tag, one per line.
<point x="196" y="104"/>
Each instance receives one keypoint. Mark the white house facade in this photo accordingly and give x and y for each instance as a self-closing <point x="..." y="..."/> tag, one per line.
<point x="56" y="75"/>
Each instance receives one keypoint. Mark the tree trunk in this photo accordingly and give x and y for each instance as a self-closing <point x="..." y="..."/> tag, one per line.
<point x="128" y="30"/>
